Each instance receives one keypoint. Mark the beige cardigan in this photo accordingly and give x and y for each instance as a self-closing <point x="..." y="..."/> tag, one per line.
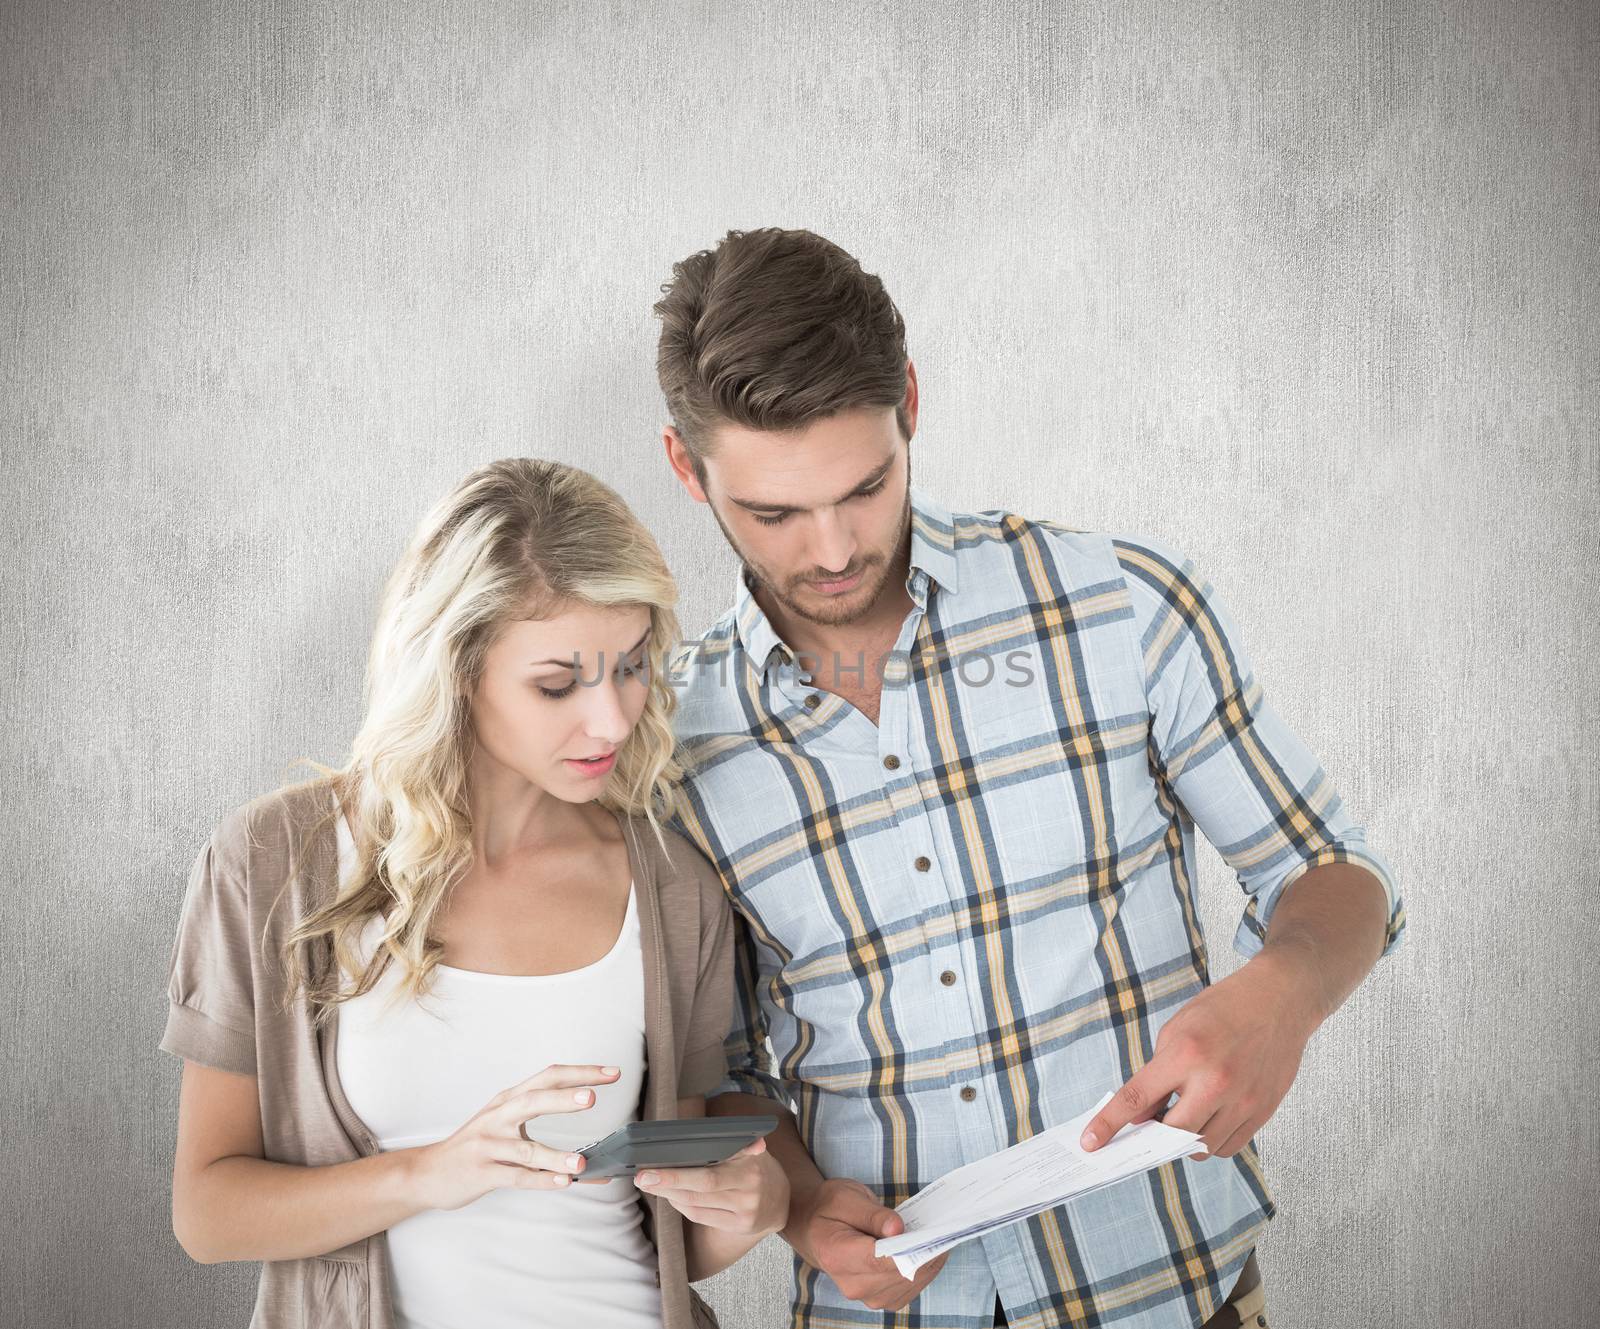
<point x="224" y="996"/>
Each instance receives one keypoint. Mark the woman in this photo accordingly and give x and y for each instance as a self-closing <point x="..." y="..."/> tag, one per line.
<point x="407" y="992"/>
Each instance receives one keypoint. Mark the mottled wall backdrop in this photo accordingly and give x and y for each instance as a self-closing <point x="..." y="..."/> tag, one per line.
<point x="1309" y="290"/>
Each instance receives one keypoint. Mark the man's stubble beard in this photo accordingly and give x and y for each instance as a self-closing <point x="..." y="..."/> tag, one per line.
<point x="880" y="570"/>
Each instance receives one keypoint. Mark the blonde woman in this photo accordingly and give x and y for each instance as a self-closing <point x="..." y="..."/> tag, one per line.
<point x="406" y="992"/>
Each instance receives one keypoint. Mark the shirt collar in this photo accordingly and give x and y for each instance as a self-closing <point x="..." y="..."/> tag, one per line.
<point x="933" y="558"/>
<point x="755" y="632"/>
<point x="933" y="541"/>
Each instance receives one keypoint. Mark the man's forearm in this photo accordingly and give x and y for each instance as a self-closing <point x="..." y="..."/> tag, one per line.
<point x="1327" y="932"/>
<point x="785" y="1145"/>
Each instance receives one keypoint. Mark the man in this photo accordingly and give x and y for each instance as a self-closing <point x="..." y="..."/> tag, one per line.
<point x="949" y="767"/>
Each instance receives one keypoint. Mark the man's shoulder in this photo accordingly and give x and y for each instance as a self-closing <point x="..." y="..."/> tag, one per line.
<point x="720" y="637"/>
<point x="998" y="537"/>
<point x="1161" y="580"/>
<point x="704" y="672"/>
<point x="1119" y="570"/>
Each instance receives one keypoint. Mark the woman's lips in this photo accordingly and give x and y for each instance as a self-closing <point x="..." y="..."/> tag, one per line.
<point x="592" y="769"/>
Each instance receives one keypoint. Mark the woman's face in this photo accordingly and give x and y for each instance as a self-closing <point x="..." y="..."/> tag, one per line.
<point x="559" y="696"/>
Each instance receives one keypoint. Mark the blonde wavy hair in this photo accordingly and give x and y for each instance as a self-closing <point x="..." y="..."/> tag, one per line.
<point x="517" y="539"/>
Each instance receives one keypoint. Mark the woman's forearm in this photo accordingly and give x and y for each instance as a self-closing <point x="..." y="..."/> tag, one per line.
<point x="243" y="1208"/>
<point x="710" y="1250"/>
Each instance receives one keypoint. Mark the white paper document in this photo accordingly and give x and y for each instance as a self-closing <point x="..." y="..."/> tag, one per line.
<point x="1024" y="1180"/>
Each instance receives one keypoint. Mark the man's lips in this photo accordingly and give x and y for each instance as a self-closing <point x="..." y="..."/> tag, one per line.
<point x="838" y="584"/>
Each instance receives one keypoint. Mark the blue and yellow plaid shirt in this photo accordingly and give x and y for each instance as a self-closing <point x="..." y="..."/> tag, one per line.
<point x="969" y="922"/>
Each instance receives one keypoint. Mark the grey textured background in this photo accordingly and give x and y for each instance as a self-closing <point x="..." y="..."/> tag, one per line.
<point x="1308" y="289"/>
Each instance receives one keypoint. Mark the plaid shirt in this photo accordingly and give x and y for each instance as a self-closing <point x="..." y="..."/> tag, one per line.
<point x="969" y="922"/>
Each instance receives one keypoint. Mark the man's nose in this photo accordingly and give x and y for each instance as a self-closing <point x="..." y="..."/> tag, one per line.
<point x="833" y="546"/>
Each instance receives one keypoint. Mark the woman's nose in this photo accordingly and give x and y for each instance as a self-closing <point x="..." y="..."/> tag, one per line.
<point x="604" y="718"/>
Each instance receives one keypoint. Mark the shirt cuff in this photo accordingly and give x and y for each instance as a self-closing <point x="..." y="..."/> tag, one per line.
<point x="195" y="1036"/>
<point x="1252" y="932"/>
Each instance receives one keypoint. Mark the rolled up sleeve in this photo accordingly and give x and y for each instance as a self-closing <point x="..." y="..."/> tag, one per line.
<point x="210" y="990"/>
<point x="1236" y="769"/>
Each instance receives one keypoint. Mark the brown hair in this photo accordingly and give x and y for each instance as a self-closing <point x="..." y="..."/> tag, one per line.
<point x="773" y="329"/>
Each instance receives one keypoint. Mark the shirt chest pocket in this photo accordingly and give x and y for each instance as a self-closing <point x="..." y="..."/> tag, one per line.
<point x="1049" y="779"/>
<point x="1061" y="804"/>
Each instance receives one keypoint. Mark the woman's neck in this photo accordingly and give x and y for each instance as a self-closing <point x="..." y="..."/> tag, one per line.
<point x="512" y="816"/>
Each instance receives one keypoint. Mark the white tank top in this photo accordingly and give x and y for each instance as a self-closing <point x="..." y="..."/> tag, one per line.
<point x="512" y="1259"/>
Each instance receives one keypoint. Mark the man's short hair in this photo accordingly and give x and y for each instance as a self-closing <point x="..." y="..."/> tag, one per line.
<point x="773" y="329"/>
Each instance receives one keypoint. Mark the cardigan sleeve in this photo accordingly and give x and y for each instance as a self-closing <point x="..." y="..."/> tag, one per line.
<point x="210" y="989"/>
<point x="704" y="1058"/>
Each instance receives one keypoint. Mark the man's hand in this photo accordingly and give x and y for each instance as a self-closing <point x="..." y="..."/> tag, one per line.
<point x="1230" y="1054"/>
<point x="836" y="1231"/>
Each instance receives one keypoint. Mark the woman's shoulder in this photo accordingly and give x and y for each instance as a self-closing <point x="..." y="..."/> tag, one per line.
<point x="679" y="866"/>
<point x="272" y="830"/>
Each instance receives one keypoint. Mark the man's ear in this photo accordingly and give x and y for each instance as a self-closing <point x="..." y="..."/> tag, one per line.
<point x="682" y="463"/>
<point x="909" y="405"/>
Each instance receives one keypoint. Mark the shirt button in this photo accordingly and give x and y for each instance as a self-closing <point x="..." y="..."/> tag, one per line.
<point x="968" y="1093"/>
<point x="813" y="701"/>
<point x="948" y="978"/>
<point x="892" y="762"/>
<point x="923" y="863"/>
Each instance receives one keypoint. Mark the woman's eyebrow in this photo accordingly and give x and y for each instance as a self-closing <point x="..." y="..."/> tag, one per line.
<point x="570" y="661"/>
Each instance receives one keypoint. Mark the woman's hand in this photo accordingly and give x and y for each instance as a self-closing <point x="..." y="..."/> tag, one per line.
<point x="490" y="1151"/>
<point x="748" y="1194"/>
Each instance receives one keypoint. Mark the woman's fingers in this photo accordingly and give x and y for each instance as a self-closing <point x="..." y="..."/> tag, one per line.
<point x="543" y="1103"/>
<point x="543" y="1157"/>
<point x="571" y="1094"/>
<point x="707" y="1180"/>
<point x="560" y="1075"/>
<point x="678" y="1196"/>
<point x="530" y="1179"/>
<point x="717" y="1218"/>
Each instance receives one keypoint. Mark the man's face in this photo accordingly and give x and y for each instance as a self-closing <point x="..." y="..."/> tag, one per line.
<point x="818" y="514"/>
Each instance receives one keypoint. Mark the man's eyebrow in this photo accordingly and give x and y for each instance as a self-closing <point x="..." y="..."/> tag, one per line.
<point x="567" y="663"/>
<point x="752" y="505"/>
